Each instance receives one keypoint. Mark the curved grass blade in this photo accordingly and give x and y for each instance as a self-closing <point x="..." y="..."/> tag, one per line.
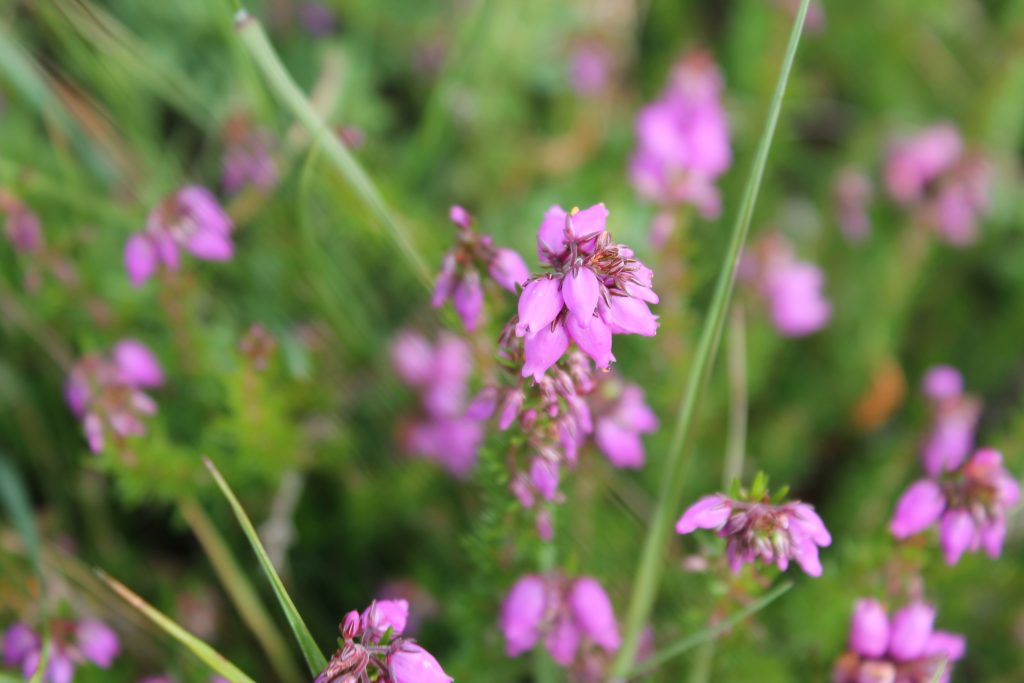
<point x="241" y="591"/>
<point x="709" y="634"/>
<point x="651" y="565"/>
<point x="262" y="52"/>
<point x="204" y="652"/>
<point x="314" y="657"/>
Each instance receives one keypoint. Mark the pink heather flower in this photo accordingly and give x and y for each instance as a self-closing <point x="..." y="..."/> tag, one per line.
<point x="905" y="649"/>
<point x="683" y="139"/>
<point x="775" y="534"/>
<point x="852" y="192"/>
<point x="364" y="655"/>
<point x="247" y="160"/>
<point x="791" y="288"/>
<point x="932" y="174"/>
<point x="969" y="504"/>
<point x="23" y="229"/>
<point x="412" y="664"/>
<point x="459" y="279"/>
<point x="189" y="219"/>
<point x="88" y="640"/>
<point x="598" y="289"/>
<point x="563" y="613"/>
<point x="19" y="642"/>
<point x="617" y="432"/>
<point x="317" y="18"/>
<point x="955" y="418"/>
<point x="588" y="69"/>
<point x="106" y="393"/>
<point x="384" y="614"/>
<point x="97" y="642"/>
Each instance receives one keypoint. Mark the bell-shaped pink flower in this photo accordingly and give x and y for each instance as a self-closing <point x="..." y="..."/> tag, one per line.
<point x="618" y="433"/>
<point x="543" y="348"/>
<point x="911" y="630"/>
<point x="508" y="269"/>
<point x="382" y="615"/>
<point x="918" y="508"/>
<point x="522" y="613"/>
<point x="19" y="641"/>
<point x="709" y="512"/>
<point x="97" y="642"/>
<point x="593" y="613"/>
<point x="410" y="663"/>
<point x="580" y="291"/>
<point x="869" y="630"/>
<point x="137" y="364"/>
<point x="539" y="304"/>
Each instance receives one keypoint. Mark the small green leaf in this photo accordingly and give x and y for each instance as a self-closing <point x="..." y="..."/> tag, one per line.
<point x="314" y="657"/>
<point x="204" y="652"/>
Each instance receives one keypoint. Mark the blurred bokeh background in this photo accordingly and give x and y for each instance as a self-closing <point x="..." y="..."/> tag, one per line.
<point x="505" y="108"/>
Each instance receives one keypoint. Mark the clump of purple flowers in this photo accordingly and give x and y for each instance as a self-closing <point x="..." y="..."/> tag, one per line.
<point x="756" y="528"/>
<point x="791" y="288"/>
<point x="449" y="432"/>
<point x="683" y="139"/>
<point x="459" y="279"/>
<point x="970" y="505"/>
<point x="189" y="219"/>
<point x="597" y="289"/>
<point x="73" y="643"/>
<point x="574" y="617"/>
<point x="903" y="649"/>
<point x="372" y="648"/>
<point x="945" y="186"/>
<point x="106" y="392"/>
<point x="247" y="159"/>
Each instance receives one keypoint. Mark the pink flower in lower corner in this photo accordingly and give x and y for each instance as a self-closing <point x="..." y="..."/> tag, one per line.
<point x="905" y="648"/>
<point x="969" y="505"/>
<point x="568" y="615"/>
<point x="189" y="219"/>
<point x="88" y="641"/>
<point x="761" y="530"/>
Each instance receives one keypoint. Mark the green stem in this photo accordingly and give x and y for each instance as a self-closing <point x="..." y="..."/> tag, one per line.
<point x="648" y="575"/>
<point x="709" y="634"/>
<point x="736" y="446"/>
<point x="240" y="590"/>
<point x="281" y="82"/>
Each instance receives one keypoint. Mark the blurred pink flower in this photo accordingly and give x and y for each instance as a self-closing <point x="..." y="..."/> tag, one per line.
<point x="589" y="67"/>
<point x="683" y="139"/>
<point x="189" y="219"/>
<point x="248" y="162"/>
<point x="969" y="504"/>
<point x="791" y="288"/>
<point x="88" y="640"/>
<point x="618" y="431"/>
<point x="954" y="420"/>
<point x="908" y="644"/>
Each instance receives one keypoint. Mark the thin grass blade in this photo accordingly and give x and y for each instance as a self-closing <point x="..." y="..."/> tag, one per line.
<point x="314" y="657"/>
<point x="648" y="576"/>
<point x="15" y="500"/>
<point x="709" y="634"/>
<point x="213" y="659"/>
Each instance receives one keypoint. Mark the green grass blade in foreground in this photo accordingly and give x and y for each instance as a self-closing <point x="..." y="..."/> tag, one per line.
<point x="709" y="634"/>
<point x="939" y="672"/>
<point x="15" y="501"/>
<point x="238" y="587"/>
<point x="255" y="39"/>
<point x="651" y="565"/>
<point x="204" y="652"/>
<point x="314" y="657"/>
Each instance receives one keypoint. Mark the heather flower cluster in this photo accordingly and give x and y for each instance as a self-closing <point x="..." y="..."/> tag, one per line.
<point x="573" y="617"/>
<point x="106" y="392"/>
<point x="905" y="648"/>
<point x="73" y="643"/>
<point x="372" y="648"/>
<point x="968" y="498"/>
<point x="189" y="219"/>
<point x="792" y="289"/>
<point x="945" y="186"/>
<point x="459" y="279"/>
<point x="247" y="158"/>
<point x="449" y="431"/>
<point x="683" y="139"/>
<point x="758" y="529"/>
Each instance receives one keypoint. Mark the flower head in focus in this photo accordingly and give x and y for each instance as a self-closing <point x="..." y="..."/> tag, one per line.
<point x="905" y="648"/>
<point x="189" y="219"/>
<point x="945" y="186"/>
<point x="459" y="279"/>
<point x="573" y="617"/>
<point x="106" y="392"/>
<point x="757" y="528"/>
<point x="683" y="139"/>
<point x="970" y="505"/>
<point x="373" y="648"/>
